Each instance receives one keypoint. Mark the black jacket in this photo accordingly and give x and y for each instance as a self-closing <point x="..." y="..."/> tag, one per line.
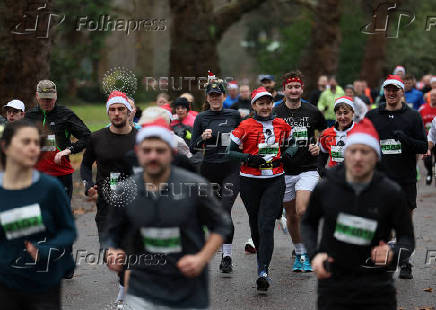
<point x="406" y="126"/>
<point x="381" y="201"/>
<point x="221" y="122"/>
<point x="63" y="123"/>
<point x="185" y="206"/>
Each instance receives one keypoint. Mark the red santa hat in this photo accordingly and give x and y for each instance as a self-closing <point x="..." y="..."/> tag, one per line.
<point x="118" y="97"/>
<point x="232" y="85"/>
<point x="345" y="99"/>
<point x="158" y="128"/>
<point x="259" y="92"/>
<point x="399" y="69"/>
<point x="210" y="76"/>
<point x="394" y="80"/>
<point x="364" y="133"/>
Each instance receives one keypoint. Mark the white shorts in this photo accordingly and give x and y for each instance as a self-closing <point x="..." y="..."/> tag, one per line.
<point x="305" y="181"/>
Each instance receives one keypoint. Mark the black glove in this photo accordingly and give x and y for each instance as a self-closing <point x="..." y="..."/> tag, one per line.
<point x="255" y="160"/>
<point x="400" y="136"/>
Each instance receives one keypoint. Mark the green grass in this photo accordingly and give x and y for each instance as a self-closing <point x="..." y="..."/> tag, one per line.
<point x="94" y="115"/>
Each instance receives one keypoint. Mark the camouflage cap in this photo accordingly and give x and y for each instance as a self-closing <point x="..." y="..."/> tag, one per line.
<point x="46" y="89"/>
<point x="215" y="87"/>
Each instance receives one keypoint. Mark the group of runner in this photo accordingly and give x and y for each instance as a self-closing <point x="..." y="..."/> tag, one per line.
<point x="272" y="148"/>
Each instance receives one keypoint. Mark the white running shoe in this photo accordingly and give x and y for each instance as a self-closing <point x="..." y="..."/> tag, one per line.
<point x="249" y="247"/>
<point x="284" y="224"/>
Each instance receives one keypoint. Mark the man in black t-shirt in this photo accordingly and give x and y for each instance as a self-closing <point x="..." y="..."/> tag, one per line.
<point x="301" y="173"/>
<point x="108" y="147"/>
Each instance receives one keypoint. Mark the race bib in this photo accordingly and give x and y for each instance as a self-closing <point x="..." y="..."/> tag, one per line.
<point x="390" y="146"/>
<point x="354" y="230"/>
<point x="50" y="144"/>
<point x="300" y="134"/>
<point x="337" y="153"/>
<point x="113" y="180"/>
<point x="225" y="138"/>
<point x="162" y="240"/>
<point x="20" y="222"/>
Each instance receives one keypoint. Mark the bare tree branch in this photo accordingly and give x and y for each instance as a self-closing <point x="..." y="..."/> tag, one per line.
<point x="232" y="12"/>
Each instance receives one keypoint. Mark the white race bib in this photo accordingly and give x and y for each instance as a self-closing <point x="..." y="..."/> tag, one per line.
<point x="50" y="144"/>
<point x="354" y="229"/>
<point x="162" y="240"/>
<point x="337" y="153"/>
<point x="20" y="222"/>
<point x="113" y="181"/>
<point x="268" y="151"/>
<point x="225" y="138"/>
<point x="390" y="146"/>
<point x="300" y="134"/>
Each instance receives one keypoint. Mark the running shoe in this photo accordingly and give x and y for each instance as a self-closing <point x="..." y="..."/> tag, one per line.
<point x="284" y="225"/>
<point x="428" y="179"/>
<point x="226" y="265"/>
<point x="406" y="271"/>
<point x="293" y="255"/>
<point x="69" y="274"/>
<point x="249" y="247"/>
<point x="307" y="267"/>
<point x="298" y="265"/>
<point x="263" y="282"/>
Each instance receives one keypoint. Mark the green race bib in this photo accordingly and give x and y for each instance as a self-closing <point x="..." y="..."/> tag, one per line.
<point x="20" y="222"/>
<point x="354" y="230"/>
<point x="162" y="240"/>
<point x="390" y="146"/>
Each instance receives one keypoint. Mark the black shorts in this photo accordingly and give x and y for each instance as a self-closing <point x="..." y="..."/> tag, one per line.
<point x="410" y="191"/>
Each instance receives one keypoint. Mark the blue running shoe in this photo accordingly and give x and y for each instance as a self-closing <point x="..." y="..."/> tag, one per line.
<point x="298" y="265"/>
<point x="307" y="267"/>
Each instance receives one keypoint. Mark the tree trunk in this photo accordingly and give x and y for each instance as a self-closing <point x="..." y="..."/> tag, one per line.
<point x="323" y="53"/>
<point x="25" y="55"/>
<point x="375" y="48"/>
<point x="195" y="33"/>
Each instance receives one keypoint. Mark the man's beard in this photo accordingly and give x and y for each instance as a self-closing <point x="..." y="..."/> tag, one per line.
<point x="120" y="125"/>
<point x="156" y="174"/>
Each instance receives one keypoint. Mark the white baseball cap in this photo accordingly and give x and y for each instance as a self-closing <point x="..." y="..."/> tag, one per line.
<point x="15" y="104"/>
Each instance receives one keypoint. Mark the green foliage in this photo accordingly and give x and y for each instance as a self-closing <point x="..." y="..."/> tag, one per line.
<point x="293" y="39"/>
<point x="75" y="54"/>
<point x="352" y="47"/>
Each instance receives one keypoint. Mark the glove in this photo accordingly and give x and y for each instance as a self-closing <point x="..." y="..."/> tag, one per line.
<point x="255" y="160"/>
<point x="292" y="150"/>
<point x="400" y="135"/>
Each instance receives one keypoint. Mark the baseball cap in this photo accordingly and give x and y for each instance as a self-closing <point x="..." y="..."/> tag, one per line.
<point x="215" y="87"/>
<point x="262" y="77"/>
<point x="15" y="104"/>
<point x="46" y="89"/>
<point x="181" y="101"/>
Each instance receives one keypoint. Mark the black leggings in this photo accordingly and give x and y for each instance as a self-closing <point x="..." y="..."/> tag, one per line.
<point x="225" y="180"/>
<point x="67" y="182"/>
<point x="12" y="299"/>
<point x="263" y="200"/>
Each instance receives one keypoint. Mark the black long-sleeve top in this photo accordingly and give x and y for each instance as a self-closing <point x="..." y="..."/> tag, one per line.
<point x="399" y="165"/>
<point x="381" y="203"/>
<point x="222" y="123"/>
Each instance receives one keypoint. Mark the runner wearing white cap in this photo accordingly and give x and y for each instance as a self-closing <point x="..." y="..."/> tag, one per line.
<point x="14" y="110"/>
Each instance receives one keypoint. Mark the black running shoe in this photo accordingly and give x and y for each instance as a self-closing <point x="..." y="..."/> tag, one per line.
<point x="406" y="271"/>
<point x="69" y="274"/>
<point x="226" y="265"/>
<point x="263" y="283"/>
